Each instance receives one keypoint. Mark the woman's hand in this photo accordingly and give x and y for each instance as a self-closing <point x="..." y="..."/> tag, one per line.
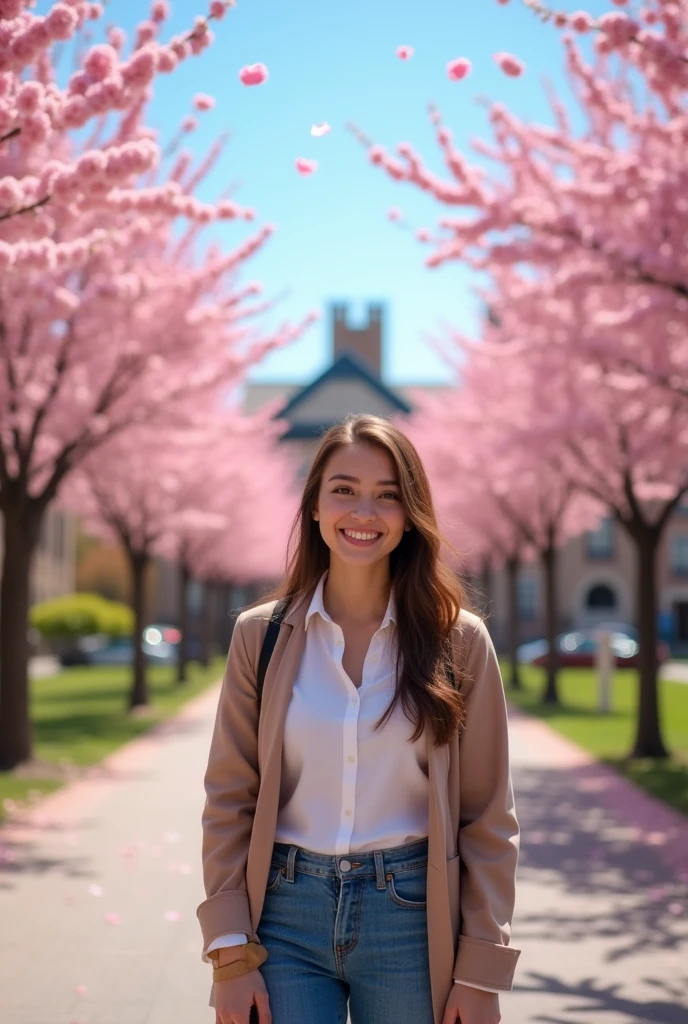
<point x="471" y="1006"/>
<point x="234" y="998"/>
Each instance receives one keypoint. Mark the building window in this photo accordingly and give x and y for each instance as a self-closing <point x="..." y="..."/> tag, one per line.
<point x="599" y="544"/>
<point x="600" y="598"/>
<point x="526" y="598"/>
<point x="679" y="556"/>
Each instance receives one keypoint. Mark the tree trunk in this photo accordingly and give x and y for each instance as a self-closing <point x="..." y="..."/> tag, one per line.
<point x="486" y="585"/>
<point x="139" y="691"/>
<point x="648" y="739"/>
<point x="224" y="632"/>
<point x="21" y="529"/>
<point x="207" y="622"/>
<point x="512" y="569"/>
<point x="548" y="558"/>
<point x="183" y="613"/>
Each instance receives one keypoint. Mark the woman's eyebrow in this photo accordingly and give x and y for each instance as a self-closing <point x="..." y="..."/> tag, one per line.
<point x="355" y="480"/>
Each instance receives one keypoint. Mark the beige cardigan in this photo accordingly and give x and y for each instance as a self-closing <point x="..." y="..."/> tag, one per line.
<point x="473" y="832"/>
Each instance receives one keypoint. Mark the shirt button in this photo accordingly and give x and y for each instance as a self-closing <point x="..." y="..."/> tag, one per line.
<point x="348" y="813"/>
<point x="352" y="759"/>
<point x="339" y="642"/>
<point x="374" y="657"/>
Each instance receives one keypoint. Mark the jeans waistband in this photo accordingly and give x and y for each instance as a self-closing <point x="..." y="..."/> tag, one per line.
<point x="345" y="865"/>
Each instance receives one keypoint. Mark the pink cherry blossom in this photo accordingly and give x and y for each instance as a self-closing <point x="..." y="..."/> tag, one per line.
<point x="509" y="64"/>
<point x="405" y="52"/>
<point x="305" y="166"/>
<point x="253" y="74"/>
<point x="459" y="69"/>
<point x="202" y="101"/>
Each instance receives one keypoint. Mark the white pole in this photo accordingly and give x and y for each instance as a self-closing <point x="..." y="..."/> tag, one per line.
<point x="605" y="662"/>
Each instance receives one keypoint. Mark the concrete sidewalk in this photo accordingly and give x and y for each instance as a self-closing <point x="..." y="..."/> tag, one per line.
<point x="601" y="917"/>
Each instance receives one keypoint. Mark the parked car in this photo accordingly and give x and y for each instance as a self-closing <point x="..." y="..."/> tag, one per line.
<point x="578" y="649"/>
<point x="160" y="644"/>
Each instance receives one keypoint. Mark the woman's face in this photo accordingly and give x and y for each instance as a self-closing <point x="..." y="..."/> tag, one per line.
<point x="361" y="515"/>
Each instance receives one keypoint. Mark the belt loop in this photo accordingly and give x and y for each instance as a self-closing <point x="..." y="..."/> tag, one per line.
<point x="291" y="857"/>
<point x="379" y="870"/>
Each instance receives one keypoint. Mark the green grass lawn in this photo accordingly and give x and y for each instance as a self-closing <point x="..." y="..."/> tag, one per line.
<point x="610" y="737"/>
<point x="80" y="715"/>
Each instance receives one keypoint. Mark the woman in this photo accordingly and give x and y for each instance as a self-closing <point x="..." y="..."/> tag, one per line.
<point x="360" y="831"/>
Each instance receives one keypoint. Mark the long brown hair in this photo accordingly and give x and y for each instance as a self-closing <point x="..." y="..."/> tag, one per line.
<point x="427" y="594"/>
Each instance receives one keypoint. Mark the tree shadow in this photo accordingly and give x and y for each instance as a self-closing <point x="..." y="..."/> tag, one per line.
<point x="623" y="890"/>
<point x="590" y="997"/>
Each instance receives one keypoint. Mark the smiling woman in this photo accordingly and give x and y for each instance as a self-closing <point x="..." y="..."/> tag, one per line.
<point x="379" y="775"/>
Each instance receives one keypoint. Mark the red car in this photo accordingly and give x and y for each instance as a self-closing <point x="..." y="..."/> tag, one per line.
<point x="578" y="649"/>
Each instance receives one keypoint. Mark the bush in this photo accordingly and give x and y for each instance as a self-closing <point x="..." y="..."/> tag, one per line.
<point x="76" y="615"/>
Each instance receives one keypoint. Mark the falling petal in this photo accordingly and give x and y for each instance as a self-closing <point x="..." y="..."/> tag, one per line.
<point x="253" y="74"/>
<point x="305" y="167"/>
<point x="113" y="918"/>
<point x="459" y="69"/>
<point x="394" y="213"/>
<point x="405" y="52"/>
<point x="81" y="990"/>
<point x="510" y="65"/>
<point x="171" y="837"/>
<point x="320" y="129"/>
<point x="95" y="890"/>
<point x="185" y="869"/>
<point x="172" y="915"/>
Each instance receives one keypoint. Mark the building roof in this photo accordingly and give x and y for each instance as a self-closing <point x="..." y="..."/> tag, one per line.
<point x="346" y="368"/>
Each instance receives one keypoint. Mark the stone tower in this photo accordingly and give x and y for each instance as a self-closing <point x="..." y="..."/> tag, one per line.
<point x="365" y="342"/>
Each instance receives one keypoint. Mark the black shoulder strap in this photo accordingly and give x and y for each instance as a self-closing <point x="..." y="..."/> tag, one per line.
<point x="269" y="641"/>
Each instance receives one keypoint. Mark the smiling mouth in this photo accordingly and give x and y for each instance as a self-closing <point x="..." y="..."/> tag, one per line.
<point x="361" y="538"/>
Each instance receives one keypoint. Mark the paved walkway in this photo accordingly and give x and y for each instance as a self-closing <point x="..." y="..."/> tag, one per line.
<point x="602" y="916"/>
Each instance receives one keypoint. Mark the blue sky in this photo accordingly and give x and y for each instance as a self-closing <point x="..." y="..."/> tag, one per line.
<point x="333" y="61"/>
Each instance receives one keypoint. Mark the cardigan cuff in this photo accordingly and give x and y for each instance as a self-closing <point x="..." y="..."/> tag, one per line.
<point x="226" y="911"/>
<point x="487" y="964"/>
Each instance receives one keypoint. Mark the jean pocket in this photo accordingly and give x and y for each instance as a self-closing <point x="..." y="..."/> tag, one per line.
<point x="408" y="888"/>
<point x="274" y="878"/>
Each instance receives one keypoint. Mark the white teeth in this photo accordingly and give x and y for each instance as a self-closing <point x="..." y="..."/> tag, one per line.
<point x="360" y="536"/>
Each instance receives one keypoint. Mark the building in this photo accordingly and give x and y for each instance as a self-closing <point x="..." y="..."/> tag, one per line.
<point x="597" y="569"/>
<point x="53" y="572"/>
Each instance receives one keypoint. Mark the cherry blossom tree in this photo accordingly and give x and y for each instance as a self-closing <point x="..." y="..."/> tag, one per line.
<point x="514" y="493"/>
<point x="108" y="314"/>
<point x="591" y="228"/>
<point x="215" y="492"/>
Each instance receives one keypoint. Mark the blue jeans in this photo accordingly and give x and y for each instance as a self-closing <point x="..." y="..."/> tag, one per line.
<point x="347" y="929"/>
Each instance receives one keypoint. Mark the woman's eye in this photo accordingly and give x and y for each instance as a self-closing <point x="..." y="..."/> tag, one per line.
<point x="342" y="488"/>
<point x="390" y="494"/>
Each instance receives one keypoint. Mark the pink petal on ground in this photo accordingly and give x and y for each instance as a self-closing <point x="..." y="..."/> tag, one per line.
<point x="95" y="890"/>
<point x="253" y="74"/>
<point x="657" y="894"/>
<point x="405" y="52"/>
<point x="304" y="166"/>
<point x="113" y="918"/>
<point x="320" y="129"/>
<point x="675" y="908"/>
<point x="459" y="69"/>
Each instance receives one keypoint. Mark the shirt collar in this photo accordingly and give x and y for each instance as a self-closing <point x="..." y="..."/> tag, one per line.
<point x="317" y="605"/>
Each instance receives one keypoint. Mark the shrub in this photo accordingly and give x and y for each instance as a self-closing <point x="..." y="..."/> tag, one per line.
<point x="80" y="614"/>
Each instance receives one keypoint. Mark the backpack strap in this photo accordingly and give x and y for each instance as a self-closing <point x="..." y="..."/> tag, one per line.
<point x="269" y="641"/>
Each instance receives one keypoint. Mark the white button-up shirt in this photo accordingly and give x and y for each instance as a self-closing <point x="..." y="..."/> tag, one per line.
<point x="346" y="788"/>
